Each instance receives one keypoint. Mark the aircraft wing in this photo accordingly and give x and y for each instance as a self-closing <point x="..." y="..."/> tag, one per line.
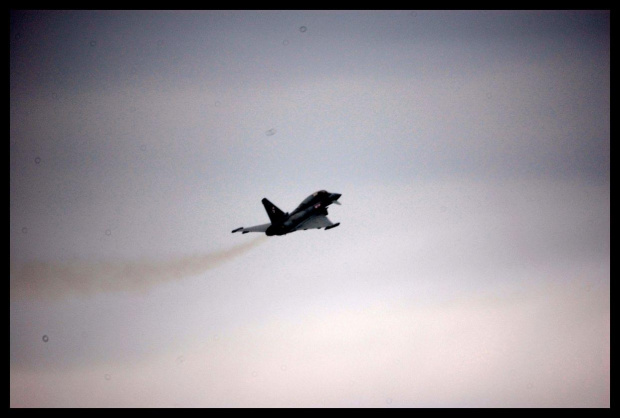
<point x="316" y="222"/>
<point x="256" y="228"/>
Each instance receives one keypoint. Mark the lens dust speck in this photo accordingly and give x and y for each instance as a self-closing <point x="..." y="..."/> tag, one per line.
<point x="45" y="338"/>
<point x="270" y="132"/>
<point x="303" y="29"/>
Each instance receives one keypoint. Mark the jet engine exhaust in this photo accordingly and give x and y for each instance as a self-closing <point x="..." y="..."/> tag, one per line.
<point x="48" y="280"/>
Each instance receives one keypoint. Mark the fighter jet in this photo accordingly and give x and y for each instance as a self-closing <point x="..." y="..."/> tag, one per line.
<point x="310" y="214"/>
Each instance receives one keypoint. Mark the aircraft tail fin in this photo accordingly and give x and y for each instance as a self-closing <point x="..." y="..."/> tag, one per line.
<point x="275" y="214"/>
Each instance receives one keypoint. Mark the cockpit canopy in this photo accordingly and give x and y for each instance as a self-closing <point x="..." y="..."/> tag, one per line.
<point x="310" y="200"/>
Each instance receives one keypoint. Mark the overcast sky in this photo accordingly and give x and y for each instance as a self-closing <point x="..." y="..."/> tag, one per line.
<point x="472" y="263"/>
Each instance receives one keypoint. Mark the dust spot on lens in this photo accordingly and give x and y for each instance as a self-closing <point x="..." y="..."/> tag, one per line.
<point x="108" y="232"/>
<point x="93" y="43"/>
<point x="24" y="230"/>
<point x="107" y="377"/>
<point x="270" y="132"/>
<point x="180" y="360"/>
<point x="303" y="29"/>
<point x="37" y="160"/>
<point x="285" y="42"/>
<point x="45" y="338"/>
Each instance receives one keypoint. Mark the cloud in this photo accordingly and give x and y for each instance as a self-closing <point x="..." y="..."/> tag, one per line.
<point x="472" y="264"/>
<point x="544" y="345"/>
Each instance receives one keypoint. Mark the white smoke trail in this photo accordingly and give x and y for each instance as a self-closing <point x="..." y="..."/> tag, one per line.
<point x="44" y="280"/>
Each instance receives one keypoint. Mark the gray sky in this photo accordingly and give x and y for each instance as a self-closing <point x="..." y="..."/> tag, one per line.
<point x="472" y="263"/>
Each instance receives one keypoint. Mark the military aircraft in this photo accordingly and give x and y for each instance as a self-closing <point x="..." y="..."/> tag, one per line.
<point x="310" y="214"/>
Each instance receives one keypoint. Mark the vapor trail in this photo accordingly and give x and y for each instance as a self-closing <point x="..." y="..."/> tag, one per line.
<point x="44" y="280"/>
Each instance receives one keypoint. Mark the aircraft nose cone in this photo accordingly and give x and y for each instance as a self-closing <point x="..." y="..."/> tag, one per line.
<point x="336" y="196"/>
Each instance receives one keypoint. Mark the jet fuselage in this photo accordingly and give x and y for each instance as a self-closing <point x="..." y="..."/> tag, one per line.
<point x="314" y="205"/>
<point x="310" y="214"/>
